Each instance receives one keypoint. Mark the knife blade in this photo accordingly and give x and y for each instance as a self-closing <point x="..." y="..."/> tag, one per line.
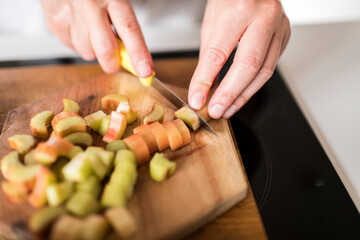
<point x="159" y="86"/>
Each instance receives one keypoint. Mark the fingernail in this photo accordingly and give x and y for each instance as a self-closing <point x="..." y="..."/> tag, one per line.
<point x="197" y="100"/>
<point x="217" y="111"/>
<point x="232" y="109"/>
<point x="144" y="68"/>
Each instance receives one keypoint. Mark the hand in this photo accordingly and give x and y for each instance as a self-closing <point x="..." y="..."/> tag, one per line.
<point x="262" y="31"/>
<point x="85" y="26"/>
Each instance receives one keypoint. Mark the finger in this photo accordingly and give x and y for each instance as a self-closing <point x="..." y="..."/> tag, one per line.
<point x="219" y="46"/>
<point x="261" y="78"/>
<point x="103" y="40"/>
<point x="208" y="22"/>
<point x="81" y="42"/>
<point x="128" y="28"/>
<point x="248" y="59"/>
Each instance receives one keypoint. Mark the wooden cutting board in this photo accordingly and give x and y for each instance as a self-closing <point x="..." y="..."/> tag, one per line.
<point x="208" y="181"/>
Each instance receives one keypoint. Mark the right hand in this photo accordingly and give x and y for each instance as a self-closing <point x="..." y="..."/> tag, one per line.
<point x="85" y="26"/>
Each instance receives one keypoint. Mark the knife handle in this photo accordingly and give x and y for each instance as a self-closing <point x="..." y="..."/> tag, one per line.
<point x="126" y="63"/>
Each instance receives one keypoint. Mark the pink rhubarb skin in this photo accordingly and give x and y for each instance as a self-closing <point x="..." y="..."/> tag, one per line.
<point x="117" y="127"/>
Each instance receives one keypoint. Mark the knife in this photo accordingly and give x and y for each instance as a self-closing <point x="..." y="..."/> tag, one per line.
<point x="154" y="82"/>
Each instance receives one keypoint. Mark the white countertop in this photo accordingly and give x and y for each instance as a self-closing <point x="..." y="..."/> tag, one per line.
<point x="322" y="68"/>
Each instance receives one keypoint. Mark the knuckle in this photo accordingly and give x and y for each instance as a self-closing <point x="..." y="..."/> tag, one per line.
<point x="204" y="82"/>
<point x="130" y="25"/>
<point x="228" y="95"/>
<point x="216" y="56"/>
<point x="274" y="7"/>
<point x="106" y="50"/>
<point x="251" y="64"/>
<point x="267" y="71"/>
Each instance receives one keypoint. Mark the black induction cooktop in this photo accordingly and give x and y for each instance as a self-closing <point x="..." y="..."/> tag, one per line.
<point x="297" y="190"/>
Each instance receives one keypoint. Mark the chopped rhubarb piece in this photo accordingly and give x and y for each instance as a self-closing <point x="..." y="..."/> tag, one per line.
<point x="204" y="113"/>
<point x="156" y="115"/>
<point x="184" y="131"/>
<point x="29" y="158"/>
<point x="67" y="227"/>
<point x="21" y="142"/>
<point x="106" y="156"/>
<point x="95" y="227"/>
<point x="45" y="154"/>
<point x="69" y="125"/>
<point x="61" y="145"/>
<point x="61" y="116"/>
<point x="124" y="180"/>
<point x="148" y="136"/>
<point x="115" y="146"/>
<point x="117" y="127"/>
<point x="137" y="144"/>
<point x="78" y="169"/>
<point x="160" y="134"/>
<point x="189" y="117"/>
<point x="174" y="136"/>
<point x="113" y="196"/>
<point x="79" y="138"/>
<point x="58" y="166"/>
<point x="161" y="168"/>
<point x="40" y="122"/>
<point x="74" y="151"/>
<point x="125" y="155"/>
<point x="127" y="168"/>
<point x="71" y="106"/>
<point x="44" y="177"/>
<point x="112" y="101"/>
<point x="131" y="114"/>
<point x="57" y="193"/>
<point x="98" y="166"/>
<point x="93" y="120"/>
<point x="43" y="218"/>
<point x="104" y="125"/>
<point x="122" y="222"/>
<point x="9" y="160"/>
<point x="91" y="186"/>
<point x="15" y="192"/>
<point x="82" y="204"/>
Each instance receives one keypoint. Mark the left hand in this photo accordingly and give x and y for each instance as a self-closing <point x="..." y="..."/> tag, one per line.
<point x="262" y="30"/>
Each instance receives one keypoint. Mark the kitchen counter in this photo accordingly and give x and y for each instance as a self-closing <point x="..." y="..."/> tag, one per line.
<point x="241" y="222"/>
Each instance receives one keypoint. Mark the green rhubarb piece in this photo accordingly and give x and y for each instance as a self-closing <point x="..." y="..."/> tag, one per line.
<point x="21" y="142"/>
<point x="58" y="166"/>
<point x="74" y="151"/>
<point x="125" y="155"/>
<point x="79" y="138"/>
<point x="43" y="218"/>
<point x="69" y="125"/>
<point x="98" y="166"/>
<point x="113" y="196"/>
<point x="29" y="158"/>
<point x="82" y="204"/>
<point x="22" y="173"/>
<point x="104" y="125"/>
<point x="106" y="156"/>
<point x="189" y="117"/>
<point x="115" y="146"/>
<point x="40" y="122"/>
<point x="15" y="192"/>
<point x="71" y="106"/>
<point x="93" y="120"/>
<point x="91" y="186"/>
<point x="67" y="227"/>
<point x="161" y="168"/>
<point x="95" y="227"/>
<point x="9" y="160"/>
<point x="57" y="193"/>
<point x="126" y="168"/>
<point x="112" y="101"/>
<point x="124" y="181"/>
<point x="78" y="169"/>
<point x="156" y="115"/>
<point x="122" y="221"/>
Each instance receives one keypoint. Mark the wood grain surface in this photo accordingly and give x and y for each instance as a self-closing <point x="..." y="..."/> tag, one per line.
<point x="215" y="195"/>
